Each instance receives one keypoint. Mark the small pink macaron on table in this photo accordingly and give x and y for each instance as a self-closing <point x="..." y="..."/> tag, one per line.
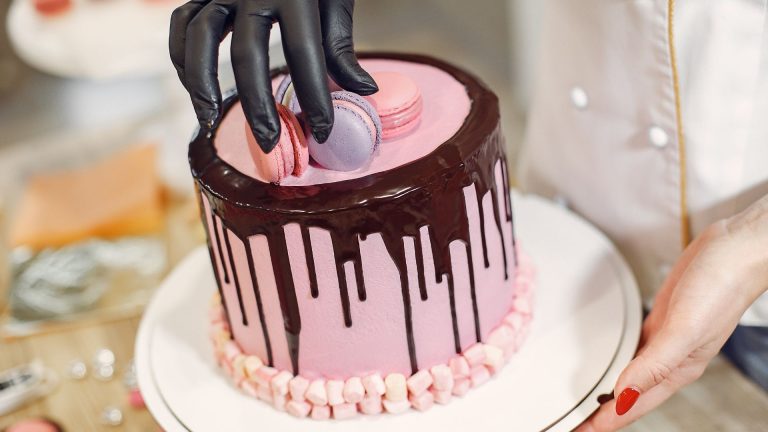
<point x="586" y="329"/>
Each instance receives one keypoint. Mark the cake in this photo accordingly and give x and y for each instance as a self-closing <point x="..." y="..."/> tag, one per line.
<point x="390" y="287"/>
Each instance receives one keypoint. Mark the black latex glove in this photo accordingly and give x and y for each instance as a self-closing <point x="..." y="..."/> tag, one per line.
<point x="315" y="33"/>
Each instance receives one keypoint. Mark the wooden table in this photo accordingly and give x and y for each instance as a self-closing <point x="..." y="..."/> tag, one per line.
<point x="77" y="405"/>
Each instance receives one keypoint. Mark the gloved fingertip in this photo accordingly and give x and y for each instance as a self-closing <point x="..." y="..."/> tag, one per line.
<point x="364" y="83"/>
<point x="367" y="87"/>
<point x="368" y="84"/>
<point x="321" y="133"/>
<point x="267" y="139"/>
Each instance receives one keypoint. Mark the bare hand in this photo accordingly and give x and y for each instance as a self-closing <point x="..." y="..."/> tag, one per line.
<point x="716" y="279"/>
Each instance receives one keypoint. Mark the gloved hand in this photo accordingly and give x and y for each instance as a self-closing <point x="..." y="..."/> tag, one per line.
<point x="317" y="41"/>
<point x="716" y="279"/>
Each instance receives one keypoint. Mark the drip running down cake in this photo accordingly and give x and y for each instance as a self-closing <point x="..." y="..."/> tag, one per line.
<point x="388" y="287"/>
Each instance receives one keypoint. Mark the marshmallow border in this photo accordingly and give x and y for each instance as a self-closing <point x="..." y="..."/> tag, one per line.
<point x="393" y="393"/>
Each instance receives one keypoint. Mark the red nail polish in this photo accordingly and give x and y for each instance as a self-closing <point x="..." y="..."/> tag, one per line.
<point x="626" y="400"/>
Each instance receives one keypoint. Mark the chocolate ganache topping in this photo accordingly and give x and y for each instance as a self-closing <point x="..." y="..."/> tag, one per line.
<point x="396" y="203"/>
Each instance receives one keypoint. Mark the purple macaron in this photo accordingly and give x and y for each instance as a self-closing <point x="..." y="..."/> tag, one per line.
<point x="356" y="132"/>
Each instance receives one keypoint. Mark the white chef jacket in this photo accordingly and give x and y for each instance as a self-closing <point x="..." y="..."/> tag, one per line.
<point x="650" y="119"/>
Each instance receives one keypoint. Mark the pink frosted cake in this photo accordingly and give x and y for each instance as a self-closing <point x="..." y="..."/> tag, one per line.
<point x="394" y="286"/>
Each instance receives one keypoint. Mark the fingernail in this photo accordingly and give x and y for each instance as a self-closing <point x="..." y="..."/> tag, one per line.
<point x="626" y="400"/>
<point x="321" y="134"/>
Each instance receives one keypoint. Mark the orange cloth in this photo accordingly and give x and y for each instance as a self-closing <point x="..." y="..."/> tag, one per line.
<point x="117" y="196"/>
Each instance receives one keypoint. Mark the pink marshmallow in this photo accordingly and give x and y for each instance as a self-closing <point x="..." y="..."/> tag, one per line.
<point x="479" y="376"/>
<point x="419" y="382"/>
<point x="514" y="321"/>
<point x="321" y="412"/>
<point x="335" y="391"/>
<point x="249" y="388"/>
<point x="371" y="405"/>
<point x="354" y="390"/>
<point x="298" y="387"/>
<point x="231" y="350"/>
<point x="494" y="358"/>
<point x="251" y="365"/>
<point x="344" y="411"/>
<point x="216" y="316"/>
<point x="279" y="401"/>
<point x="298" y="409"/>
<point x="423" y="401"/>
<point x="374" y="385"/>
<point x="227" y="366"/>
<point x="238" y="368"/>
<point x="461" y="386"/>
<point x="263" y="376"/>
<point x="280" y="382"/>
<point x="501" y="337"/>
<point x="442" y="396"/>
<point x="459" y="366"/>
<point x="442" y="377"/>
<point x="397" y="389"/>
<point x="316" y="392"/>
<point x="396" y="407"/>
<point x="475" y="355"/>
<point x="522" y="305"/>
<point x="264" y="393"/>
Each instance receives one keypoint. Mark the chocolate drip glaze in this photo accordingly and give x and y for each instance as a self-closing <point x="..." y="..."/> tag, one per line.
<point x="359" y="276"/>
<point x="209" y="245"/>
<point x="420" y="267"/>
<point x="341" y="274"/>
<point x="257" y="295"/>
<point x="454" y="317"/>
<point x="234" y="276"/>
<point x="481" y="211"/>
<point x="219" y="248"/>
<point x="310" y="257"/>
<point x="286" y="292"/>
<point x="472" y="291"/>
<point x="395" y="204"/>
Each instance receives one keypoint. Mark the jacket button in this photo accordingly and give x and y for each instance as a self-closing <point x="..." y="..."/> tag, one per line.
<point x="658" y="137"/>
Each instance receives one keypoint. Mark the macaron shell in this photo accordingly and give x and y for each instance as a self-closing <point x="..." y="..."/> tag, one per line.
<point x="349" y="145"/>
<point x="369" y="112"/>
<point x="403" y="122"/>
<point x="277" y="164"/>
<point x="398" y="103"/>
<point x="298" y="140"/>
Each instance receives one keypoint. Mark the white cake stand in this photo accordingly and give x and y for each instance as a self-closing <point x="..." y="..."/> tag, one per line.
<point x="586" y="328"/>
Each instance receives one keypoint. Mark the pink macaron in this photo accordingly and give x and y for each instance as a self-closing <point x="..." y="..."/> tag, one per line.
<point x="289" y="157"/>
<point x="398" y="103"/>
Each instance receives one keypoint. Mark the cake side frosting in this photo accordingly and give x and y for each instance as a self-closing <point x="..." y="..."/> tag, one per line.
<point x="375" y="393"/>
<point x="395" y="271"/>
